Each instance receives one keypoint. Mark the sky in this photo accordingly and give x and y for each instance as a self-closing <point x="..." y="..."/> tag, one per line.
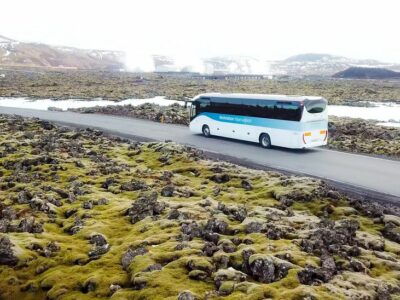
<point x="189" y="30"/>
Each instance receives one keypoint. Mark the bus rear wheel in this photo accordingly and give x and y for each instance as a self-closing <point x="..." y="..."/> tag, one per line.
<point x="206" y="131"/>
<point x="265" y="140"/>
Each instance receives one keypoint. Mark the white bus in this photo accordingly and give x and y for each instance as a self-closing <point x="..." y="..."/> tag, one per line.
<point x="271" y="120"/>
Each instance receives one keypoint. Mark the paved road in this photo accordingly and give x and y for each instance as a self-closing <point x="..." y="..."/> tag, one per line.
<point x="375" y="174"/>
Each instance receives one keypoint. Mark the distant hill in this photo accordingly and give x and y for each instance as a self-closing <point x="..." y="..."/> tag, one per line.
<point x="367" y="73"/>
<point x="312" y="57"/>
<point x="321" y="57"/>
<point x="322" y="64"/>
<point x="15" y="53"/>
<point x="20" y="54"/>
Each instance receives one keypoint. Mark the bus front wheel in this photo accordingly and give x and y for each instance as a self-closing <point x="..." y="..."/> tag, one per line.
<point x="265" y="140"/>
<point x="206" y="131"/>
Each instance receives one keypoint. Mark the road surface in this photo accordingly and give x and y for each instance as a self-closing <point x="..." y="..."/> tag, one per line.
<point x="359" y="171"/>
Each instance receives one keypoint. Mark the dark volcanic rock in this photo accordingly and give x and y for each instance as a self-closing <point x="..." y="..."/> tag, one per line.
<point x="8" y="213"/>
<point x="4" y="225"/>
<point x="168" y="191"/>
<point x="145" y="206"/>
<point x="311" y="275"/>
<point x="238" y="213"/>
<point x="392" y="232"/>
<point x="130" y="254"/>
<point x="75" y="227"/>
<point x="29" y="225"/>
<point x="366" y="208"/>
<point x="176" y="214"/>
<point x="87" y="205"/>
<point x="70" y="212"/>
<point x="254" y="227"/>
<point x="98" y="239"/>
<point x="24" y="197"/>
<point x="7" y="256"/>
<point x="216" y="226"/>
<point x="331" y="237"/>
<point x="191" y="230"/>
<point x="210" y="248"/>
<point x="134" y="186"/>
<point x="220" y="178"/>
<point x="268" y="269"/>
<point x="151" y="268"/>
<point x="186" y="295"/>
<point x="246" y="185"/>
<point x="109" y="181"/>
<point x="46" y="125"/>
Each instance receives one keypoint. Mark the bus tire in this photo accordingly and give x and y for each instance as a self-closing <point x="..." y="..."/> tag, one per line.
<point x="265" y="140"/>
<point x="206" y="131"/>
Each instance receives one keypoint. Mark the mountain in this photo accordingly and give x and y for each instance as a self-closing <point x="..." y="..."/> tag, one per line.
<point x="312" y="57"/>
<point x="321" y="64"/>
<point x="21" y="54"/>
<point x="367" y="73"/>
<point x="15" y="53"/>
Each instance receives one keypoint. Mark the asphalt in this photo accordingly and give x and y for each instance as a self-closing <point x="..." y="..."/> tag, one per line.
<point x="367" y="174"/>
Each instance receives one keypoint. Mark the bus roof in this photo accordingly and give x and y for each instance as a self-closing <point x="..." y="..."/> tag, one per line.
<point x="258" y="96"/>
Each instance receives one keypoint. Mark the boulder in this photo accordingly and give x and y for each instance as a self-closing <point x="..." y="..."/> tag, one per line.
<point x="134" y="186"/>
<point x="191" y="230"/>
<point x="267" y="269"/>
<point x="238" y="213"/>
<point x="155" y="267"/>
<point x="130" y="254"/>
<point x="210" y="248"/>
<point x="145" y="206"/>
<point x="331" y="237"/>
<point x="7" y="256"/>
<point x="168" y="191"/>
<point x="217" y="226"/>
<point x="392" y="232"/>
<point x="246" y="185"/>
<point x="220" y="178"/>
<point x="186" y="295"/>
<point x="8" y="213"/>
<point x="229" y="274"/>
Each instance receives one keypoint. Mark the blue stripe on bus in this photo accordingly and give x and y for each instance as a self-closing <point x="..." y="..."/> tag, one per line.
<point x="271" y="123"/>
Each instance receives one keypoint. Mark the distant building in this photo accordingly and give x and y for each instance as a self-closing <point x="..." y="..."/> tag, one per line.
<point x="178" y="74"/>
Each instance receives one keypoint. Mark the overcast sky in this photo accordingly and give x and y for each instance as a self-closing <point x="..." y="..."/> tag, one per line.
<point x="188" y="29"/>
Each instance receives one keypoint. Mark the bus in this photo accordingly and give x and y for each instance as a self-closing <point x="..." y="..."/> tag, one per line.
<point x="271" y="120"/>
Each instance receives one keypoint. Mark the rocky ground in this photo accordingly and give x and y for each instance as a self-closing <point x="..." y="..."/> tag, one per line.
<point x="362" y="136"/>
<point x="86" y="216"/>
<point x="172" y="114"/>
<point x="345" y="134"/>
<point x="120" y="85"/>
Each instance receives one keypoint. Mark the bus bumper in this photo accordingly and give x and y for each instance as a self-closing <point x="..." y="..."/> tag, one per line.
<point x="315" y="138"/>
<point x="315" y="144"/>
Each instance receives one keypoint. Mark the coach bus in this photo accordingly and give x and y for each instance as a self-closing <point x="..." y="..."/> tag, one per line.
<point x="270" y="120"/>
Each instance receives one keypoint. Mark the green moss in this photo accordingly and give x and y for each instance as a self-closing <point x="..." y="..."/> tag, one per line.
<point x="70" y="273"/>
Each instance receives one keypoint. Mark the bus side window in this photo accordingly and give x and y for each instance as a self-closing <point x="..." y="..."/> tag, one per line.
<point x="267" y="109"/>
<point x="288" y="111"/>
